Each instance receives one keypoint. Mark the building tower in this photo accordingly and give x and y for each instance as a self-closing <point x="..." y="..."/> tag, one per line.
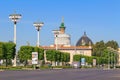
<point x="62" y="27"/>
<point x="60" y="37"/>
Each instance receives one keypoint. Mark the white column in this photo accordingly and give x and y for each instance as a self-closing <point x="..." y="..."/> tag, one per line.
<point x="38" y="42"/>
<point x="15" y="32"/>
<point x="56" y="47"/>
<point x="119" y="57"/>
<point x="14" y="63"/>
<point x="56" y="42"/>
<point x="108" y="61"/>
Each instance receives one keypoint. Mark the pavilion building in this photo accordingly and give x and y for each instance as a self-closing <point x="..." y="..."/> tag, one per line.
<point x="62" y="42"/>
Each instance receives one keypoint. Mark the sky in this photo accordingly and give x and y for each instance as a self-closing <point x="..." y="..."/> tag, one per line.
<point x="99" y="18"/>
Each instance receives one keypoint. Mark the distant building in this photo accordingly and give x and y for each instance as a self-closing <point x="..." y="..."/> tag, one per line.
<point x="60" y="37"/>
<point x="62" y="42"/>
<point x="119" y="56"/>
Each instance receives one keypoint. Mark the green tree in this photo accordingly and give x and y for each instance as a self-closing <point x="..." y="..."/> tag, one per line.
<point x="9" y="52"/>
<point x="89" y="59"/>
<point x="57" y="56"/>
<point x="113" y="44"/>
<point x="78" y="57"/>
<point x="40" y="52"/>
<point x="53" y="55"/>
<point x="113" y="56"/>
<point x="2" y="50"/>
<point x="98" y="48"/>
<point x="50" y="55"/>
<point x="25" y="53"/>
<point x="66" y="56"/>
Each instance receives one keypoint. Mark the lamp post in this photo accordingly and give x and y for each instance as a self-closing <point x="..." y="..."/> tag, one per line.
<point x="56" y="41"/>
<point x="113" y="51"/>
<point x="108" y="61"/>
<point x="38" y="26"/>
<point x="109" y="57"/>
<point x="115" y="60"/>
<point x="15" y="18"/>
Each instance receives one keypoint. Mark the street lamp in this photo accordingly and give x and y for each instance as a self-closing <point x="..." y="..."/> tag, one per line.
<point x="109" y="62"/>
<point x="15" y="18"/>
<point x="115" y="60"/>
<point x="38" y="26"/>
<point x="113" y="52"/>
<point x="114" y="56"/>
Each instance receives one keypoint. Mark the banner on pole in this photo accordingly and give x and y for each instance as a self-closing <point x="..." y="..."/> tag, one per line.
<point x="34" y="57"/>
<point x="83" y="61"/>
<point x="94" y="62"/>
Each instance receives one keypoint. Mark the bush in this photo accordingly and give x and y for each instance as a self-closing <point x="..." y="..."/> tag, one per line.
<point x="117" y="66"/>
<point x="4" y="67"/>
<point x="63" y="67"/>
<point x="44" y="67"/>
<point x="10" y="68"/>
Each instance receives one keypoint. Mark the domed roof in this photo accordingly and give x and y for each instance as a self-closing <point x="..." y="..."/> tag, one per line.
<point x="84" y="41"/>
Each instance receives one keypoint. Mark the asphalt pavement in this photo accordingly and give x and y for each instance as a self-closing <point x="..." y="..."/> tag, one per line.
<point x="61" y="74"/>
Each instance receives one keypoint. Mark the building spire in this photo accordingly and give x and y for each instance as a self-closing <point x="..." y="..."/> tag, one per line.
<point x="14" y="11"/>
<point x="63" y="19"/>
<point x="62" y="26"/>
<point x="84" y="33"/>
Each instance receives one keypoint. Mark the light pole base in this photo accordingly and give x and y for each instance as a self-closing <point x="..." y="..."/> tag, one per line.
<point x="14" y="62"/>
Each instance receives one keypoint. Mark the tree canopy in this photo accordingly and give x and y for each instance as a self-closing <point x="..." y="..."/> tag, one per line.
<point x="2" y="50"/>
<point x="100" y="47"/>
<point x="53" y="55"/>
<point x="25" y="53"/>
<point x="7" y="51"/>
<point x="113" y="44"/>
<point x="107" y="52"/>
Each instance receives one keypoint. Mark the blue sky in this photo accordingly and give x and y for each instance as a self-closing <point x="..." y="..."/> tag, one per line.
<point x="99" y="18"/>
